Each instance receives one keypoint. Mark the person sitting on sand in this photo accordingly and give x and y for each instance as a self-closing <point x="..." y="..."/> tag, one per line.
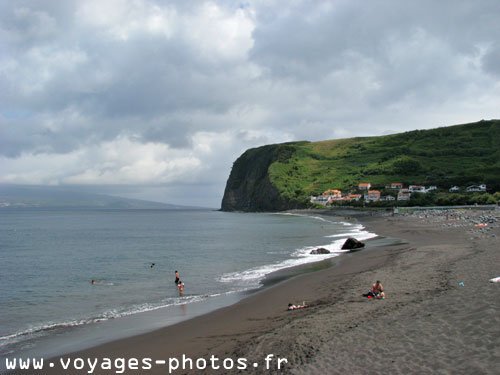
<point x="291" y="306"/>
<point x="376" y="291"/>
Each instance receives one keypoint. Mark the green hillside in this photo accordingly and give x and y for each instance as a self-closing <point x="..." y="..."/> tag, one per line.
<point x="456" y="155"/>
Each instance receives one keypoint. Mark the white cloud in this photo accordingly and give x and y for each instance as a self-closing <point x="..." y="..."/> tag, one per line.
<point x="122" y="19"/>
<point x="212" y="30"/>
<point x="220" y="33"/>
<point x="120" y="161"/>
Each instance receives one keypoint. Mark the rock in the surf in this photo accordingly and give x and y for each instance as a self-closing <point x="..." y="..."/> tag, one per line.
<point x="320" y="250"/>
<point x="352" y="244"/>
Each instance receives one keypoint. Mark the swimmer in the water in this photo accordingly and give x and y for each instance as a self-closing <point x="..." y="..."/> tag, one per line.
<point x="152" y="265"/>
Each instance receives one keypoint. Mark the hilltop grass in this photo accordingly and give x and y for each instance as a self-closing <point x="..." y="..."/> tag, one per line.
<point x="456" y="155"/>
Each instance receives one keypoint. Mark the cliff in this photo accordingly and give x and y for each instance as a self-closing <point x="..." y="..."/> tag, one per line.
<point x="249" y="187"/>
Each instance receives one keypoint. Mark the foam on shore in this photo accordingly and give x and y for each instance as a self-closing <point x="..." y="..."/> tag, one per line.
<point x="254" y="276"/>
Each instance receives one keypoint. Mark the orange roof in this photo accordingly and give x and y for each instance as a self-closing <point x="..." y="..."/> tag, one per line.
<point x="355" y="195"/>
<point x="332" y="191"/>
<point x="396" y="183"/>
<point x="373" y="192"/>
<point x="364" y="184"/>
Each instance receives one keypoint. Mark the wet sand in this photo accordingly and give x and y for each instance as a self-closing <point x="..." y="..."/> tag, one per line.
<point x="427" y="324"/>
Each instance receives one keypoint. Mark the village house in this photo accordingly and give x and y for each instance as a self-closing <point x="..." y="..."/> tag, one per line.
<point x="387" y="198"/>
<point x="417" y="189"/>
<point x="320" y="199"/>
<point x="327" y="197"/>
<point x="372" y="196"/>
<point x="354" y="197"/>
<point x="454" y="189"/>
<point x="475" y="188"/>
<point x="364" y="186"/>
<point x="396" y="185"/>
<point x="404" y="195"/>
<point x="333" y="194"/>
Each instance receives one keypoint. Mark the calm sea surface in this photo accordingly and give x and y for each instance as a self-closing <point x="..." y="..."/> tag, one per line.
<point x="49" y="257"/>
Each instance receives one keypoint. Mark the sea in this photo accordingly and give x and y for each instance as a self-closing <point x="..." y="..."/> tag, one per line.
<point x="49" y="257"/>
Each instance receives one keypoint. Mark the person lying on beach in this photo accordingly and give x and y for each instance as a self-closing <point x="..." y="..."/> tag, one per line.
<point x="291" y="306"/>
<point x="376" y="291"/>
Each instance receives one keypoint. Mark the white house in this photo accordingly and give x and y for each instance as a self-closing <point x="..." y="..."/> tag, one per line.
<point x="417" y="189"/>
<point x="321" y="199"/>
<point x="474" y="188"/>
<point x="388" y="198"/>
<point x="396" y="185"/>
<point x="454" y="189"/>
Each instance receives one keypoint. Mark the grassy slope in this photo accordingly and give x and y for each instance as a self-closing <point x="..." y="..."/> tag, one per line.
<point x="460" y="154"/>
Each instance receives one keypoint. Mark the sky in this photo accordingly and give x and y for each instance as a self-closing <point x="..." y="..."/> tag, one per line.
<point x="155" y="100"/>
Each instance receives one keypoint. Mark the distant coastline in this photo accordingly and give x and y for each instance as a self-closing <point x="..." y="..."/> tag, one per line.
<point x="23" y="196"/>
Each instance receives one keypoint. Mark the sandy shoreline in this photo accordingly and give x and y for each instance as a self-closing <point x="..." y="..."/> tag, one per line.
<point x="427" y="324"/>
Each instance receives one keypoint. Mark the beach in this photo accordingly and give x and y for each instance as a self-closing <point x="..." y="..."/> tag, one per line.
<point x="440" y="316"/>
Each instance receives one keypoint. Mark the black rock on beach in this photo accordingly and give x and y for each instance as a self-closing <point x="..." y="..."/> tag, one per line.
<point x="320" y="250"/>
<point x="352" y="244"/>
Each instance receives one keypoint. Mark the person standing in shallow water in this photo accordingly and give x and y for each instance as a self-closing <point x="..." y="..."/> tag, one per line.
<point x="176" y="277"/>
<point x="180" y="285"/>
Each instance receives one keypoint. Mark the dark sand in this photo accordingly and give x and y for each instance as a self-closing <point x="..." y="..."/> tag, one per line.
<point x="428" y="324"/>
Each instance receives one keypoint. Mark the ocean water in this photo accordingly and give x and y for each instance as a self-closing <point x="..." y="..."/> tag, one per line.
<point x="49" y="257"/>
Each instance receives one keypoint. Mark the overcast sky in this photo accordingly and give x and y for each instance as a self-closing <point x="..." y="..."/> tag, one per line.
<point x="156" y="99"/>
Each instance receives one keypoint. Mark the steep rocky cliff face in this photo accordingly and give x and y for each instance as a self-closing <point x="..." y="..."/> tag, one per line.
<point x="249" y="187"/>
